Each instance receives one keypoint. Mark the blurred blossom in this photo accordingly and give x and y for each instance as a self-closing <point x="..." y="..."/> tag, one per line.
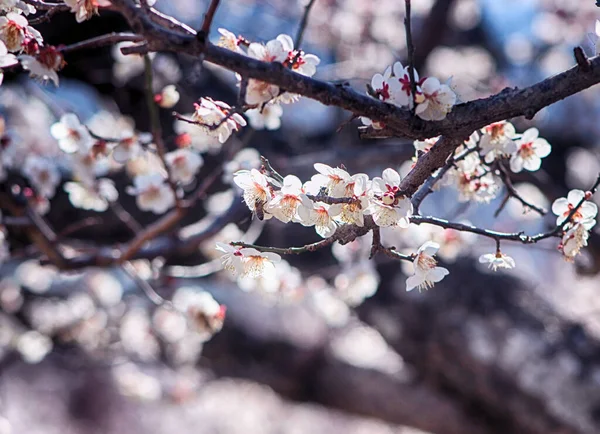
<point x="170" y="324"/>
<point x="134" y="383"/>
<point x="335" y="312"/>
<point x="136" y="335"/>
<point x="364" y="347"/>
<point x="357" y="282"/>
<point x="519" y="49"/>
<point x="465" y="14"/>
<point x="126" y="67"/>
<point x="203" y="312"/>
<point x="35" y="277"/>
<point x="5" y="426"/>
<point x="11" y="297"/>
<point x="582" y="166"/>
<point x="105" y="288"/>
<point x="219" y="202"/>
<point x="246" y="159"/>
<point x="33" y="346"/>
<point x="556" y="60"/>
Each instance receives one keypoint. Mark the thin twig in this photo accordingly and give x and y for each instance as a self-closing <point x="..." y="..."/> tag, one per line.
<point x="303" y="24"/>
<point x="512" y="191"/>
<point x="101" y="41"/>
<point x="274" y="174"/>
<point x="152" y="295"/>
<point x="411" y="53"/>
<point x="288" y="250"/>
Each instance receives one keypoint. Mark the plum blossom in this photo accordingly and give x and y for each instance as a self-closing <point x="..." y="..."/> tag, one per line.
<point x="92" y="198"/>
<point x="232" y="260"/>
<point x="427" y="273"/>
<point x="384" y="86"/>
<point x="275" y="50"/>
<point x="202" y="311"/>
<point x="530" y="150"/>
<point x="152" y="193"/>
<point x="322" y="216"/>
<point x="269" y="117"/>
<point x="44" y="65"/>
<point x="473" y="180"/>
<point x="211" y="113"/>
<point x="358" y="187"/>
<point x="438" y="100"/>
<point x="84" y="9"/>
<point x="246" y="159"/>
<point x="168" y="97"/>
<point x="333" y="179"/>
<point x="229" y="40"/>
<point x="183" y="165"/>
<point x="497" y="260"/>
<point x="42" y="174"/>
<point x="6" y="59"/>
<point x="403" y="95"/>
<point x="257" y="192"/>
<point x="386" y="207"/>
<point x="71" y="134"/>
<point x="286" y="201"/>
<point x="573" y="241"/>
<point x="14" y="31"/>
<point x="585" y="214"/>
<point x="258" y="263"/>
<point x="497" y="140"/>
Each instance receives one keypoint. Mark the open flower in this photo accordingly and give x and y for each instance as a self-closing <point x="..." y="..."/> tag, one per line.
<point x="257" y="192"/>
<point x="427" y="273"/>
<point x="152" y="193"/>
<point x="403" y="94"/>
<point x="530" y="150"/>
<point x="585" y="214"/>
<point x="358" y="189"/>
<point x="232" y="260"/>
<point x="332" y="178"/>
<point x="438" y="100"/>
<point x="497" y="140"/>
<point x="573" y="241"/>
<point x="83" y="9"/>
<point x="6" y="59"/>
<point x="229" y="40"/>
<point x="183" y="165"/>
<point x="45" y="64"/>
<point x="71" y="134"/>
<point x="387" y="207"/>
<point x="14" y="31"/>
<point x="258" y="263"/>
<point x="210" y="113"/>
<point x="322" y="216"/>
<point x="286" y="201"/>
<point x="497" y="260"/>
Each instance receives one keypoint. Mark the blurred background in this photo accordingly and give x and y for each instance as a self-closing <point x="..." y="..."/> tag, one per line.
<point x="334" y="343"/>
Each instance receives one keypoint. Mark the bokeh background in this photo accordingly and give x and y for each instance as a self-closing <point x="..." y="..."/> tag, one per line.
<point x="334" y="344"/>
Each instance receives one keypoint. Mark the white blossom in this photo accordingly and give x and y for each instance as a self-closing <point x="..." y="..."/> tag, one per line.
<point x="585" y="214"/>
<point x="286" y="201"/>
<point x="497" y="260"/>
<point x="427" y="273"/>
<point x="258" y="263"/>
<point x="573" y="241"/>
<point x="83" y="9"/>
<point x="210" y="113"/>
<point x="530" y="151"/>
<point x="387" y="207"/>
<point x="6" y="59"/>
<point x="44" y="65"/>
<point x="42" y="174"/>
<point x="321" y="216"/>
<point x="71" y="134"/>
<point x="438" y="100"/>
<point x="269" y="117"/>
<point x="94" y="198"/>
<point x="229" y="40"/>
<point x="497" y="140"/>
<point x="152" y="193"/>
<point x="14" y="30"/>
<point x="257" y="192"/>
<point x="183" y="164"/>
<point x="233" y="259"/>
<point x="168" y="97"/>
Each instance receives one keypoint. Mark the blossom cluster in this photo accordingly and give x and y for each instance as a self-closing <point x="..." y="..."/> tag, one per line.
<point x="434" y="100"/>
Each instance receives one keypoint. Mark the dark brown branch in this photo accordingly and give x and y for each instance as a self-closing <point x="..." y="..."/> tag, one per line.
<point x="462" y="121"/>
<point x="581" y="59"/>
<point x="208" y="17"/>
<point x="410" y="48"/>
<point x="512" y="191"/>
<point x="288" y="250"/>
<point x="303" y="24"/>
